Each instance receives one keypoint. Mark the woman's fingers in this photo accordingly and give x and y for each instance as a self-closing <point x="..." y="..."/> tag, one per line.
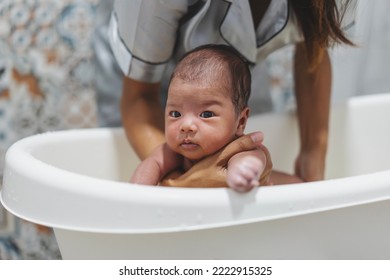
<point x="244" y="143"/>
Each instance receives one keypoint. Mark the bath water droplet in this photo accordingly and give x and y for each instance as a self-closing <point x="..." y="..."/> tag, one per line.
<point x="160" y="213"/>
<point x="199" y="218"/>
<point x="182" y="226"/>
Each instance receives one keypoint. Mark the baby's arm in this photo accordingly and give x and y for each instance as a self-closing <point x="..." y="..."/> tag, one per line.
<point x="245" y="168"/>
<point x="151" y="170"/>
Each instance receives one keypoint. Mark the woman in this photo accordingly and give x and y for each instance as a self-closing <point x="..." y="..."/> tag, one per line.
<point x="147" y="36"/>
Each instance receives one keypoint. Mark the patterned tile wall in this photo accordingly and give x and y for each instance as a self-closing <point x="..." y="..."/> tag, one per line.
<point x="46" y="84"/>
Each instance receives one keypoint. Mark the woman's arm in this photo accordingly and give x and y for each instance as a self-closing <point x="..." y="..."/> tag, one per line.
<point x="142" y="116"/>
<point x="313" y="93"/>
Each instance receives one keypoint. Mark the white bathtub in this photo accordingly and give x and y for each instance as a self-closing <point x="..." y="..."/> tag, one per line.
<point x="75" y="182"/>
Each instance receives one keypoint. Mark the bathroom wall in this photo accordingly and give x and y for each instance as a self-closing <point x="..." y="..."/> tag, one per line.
<point x="364" y="69"/>
<point x="46" y="83"/>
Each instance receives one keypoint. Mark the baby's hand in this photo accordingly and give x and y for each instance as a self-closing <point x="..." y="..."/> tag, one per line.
<point x="243" y="174"/>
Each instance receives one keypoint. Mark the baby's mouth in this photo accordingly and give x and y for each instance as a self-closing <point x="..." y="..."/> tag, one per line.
<point x="188" y="145"/>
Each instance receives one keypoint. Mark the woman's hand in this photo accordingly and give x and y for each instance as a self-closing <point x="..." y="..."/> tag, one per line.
<point x="211" y="171"/>
<point x="310" y="166"/>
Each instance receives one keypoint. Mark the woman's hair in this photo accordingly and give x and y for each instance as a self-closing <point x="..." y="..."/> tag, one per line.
<point x="320" y="22"/>
<point x="222" y="64"/>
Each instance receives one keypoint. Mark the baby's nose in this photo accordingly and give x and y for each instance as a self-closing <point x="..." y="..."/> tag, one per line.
<point x="188" y="125"/>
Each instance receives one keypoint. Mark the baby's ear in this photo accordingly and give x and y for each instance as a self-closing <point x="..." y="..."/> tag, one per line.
<point x="243" y="118"/>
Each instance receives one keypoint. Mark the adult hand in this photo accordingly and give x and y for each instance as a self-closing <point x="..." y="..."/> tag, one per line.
<point x="310" y="166"/>
<point x="211" y="171"/>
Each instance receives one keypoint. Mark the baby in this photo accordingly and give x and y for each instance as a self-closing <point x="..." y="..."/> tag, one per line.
<point x="207" y="109"/>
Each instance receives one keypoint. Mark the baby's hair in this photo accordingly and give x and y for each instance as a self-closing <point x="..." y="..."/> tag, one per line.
<point x="209" y="62"/>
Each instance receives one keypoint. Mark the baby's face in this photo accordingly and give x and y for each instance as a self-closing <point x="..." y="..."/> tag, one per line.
<point x="199" y="119"/>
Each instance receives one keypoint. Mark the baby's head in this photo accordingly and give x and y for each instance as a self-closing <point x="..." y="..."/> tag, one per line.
<point x="207" y="101"/>
<point x="217" y="65"/>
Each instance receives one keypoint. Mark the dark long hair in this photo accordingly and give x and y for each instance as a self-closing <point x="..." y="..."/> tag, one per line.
<point x="320" y="22"/>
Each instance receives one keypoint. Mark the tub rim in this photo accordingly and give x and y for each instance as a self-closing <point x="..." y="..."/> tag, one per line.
<point x="356" y="191"/>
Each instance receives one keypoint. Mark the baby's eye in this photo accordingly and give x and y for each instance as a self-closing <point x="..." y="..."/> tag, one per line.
<point x="207" y="114"/>
<point x="174" y="114"/>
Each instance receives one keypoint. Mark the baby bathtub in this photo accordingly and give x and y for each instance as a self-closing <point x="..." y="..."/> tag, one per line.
<point x="75" y="182"/>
